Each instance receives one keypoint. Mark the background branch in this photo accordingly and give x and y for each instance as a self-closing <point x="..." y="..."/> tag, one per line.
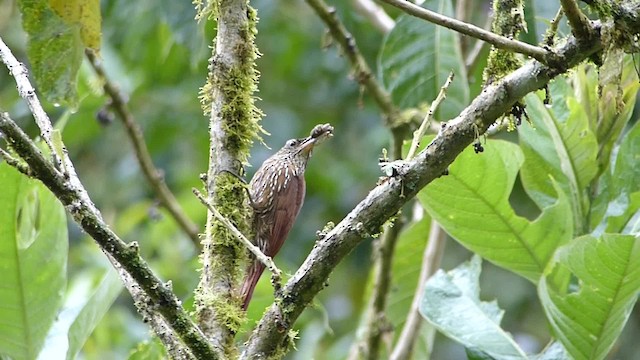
<point x="376" y="15"/>
<point x="154" y="177"/>
<point x="361" y="69"/>
<point x="385" y="200"/>
<point x="375" y="320"/>
<point x="498" y="41"/>
<point x="430" y="264"/>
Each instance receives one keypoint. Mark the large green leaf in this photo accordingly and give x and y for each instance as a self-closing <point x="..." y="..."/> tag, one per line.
<point x="415" y="59"/>
<point x="452" y="303"/>
<point x="559" y="146"/>
<point x="472" y="205"/>
<point x="588" y="317"/>
<point x="88" y="300"/>
<point x="617" y="187"/>
<point x="33" y="263"/>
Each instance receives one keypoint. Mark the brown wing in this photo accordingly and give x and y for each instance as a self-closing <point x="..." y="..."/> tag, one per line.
<point x="287" y="204"/>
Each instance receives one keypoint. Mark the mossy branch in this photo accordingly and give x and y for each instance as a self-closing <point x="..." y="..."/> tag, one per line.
<point x="228" y="99"/>
<point x="384" y="201"/>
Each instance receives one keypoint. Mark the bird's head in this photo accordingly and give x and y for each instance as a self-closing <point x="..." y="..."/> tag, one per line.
<point x="303" y="147"/>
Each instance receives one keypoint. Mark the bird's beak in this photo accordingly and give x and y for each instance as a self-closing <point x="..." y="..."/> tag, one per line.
<point x="318" y="135"/>
<point x="307" y="144"/>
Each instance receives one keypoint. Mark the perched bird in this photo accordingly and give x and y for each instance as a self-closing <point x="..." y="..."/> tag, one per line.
<point x="276" y="192"/>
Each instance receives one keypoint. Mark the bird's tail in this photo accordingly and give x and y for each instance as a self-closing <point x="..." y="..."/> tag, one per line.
<point x="250" y="281"/>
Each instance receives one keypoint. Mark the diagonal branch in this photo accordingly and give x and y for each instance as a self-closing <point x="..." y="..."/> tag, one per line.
<point x="154" y="176"/>
<point x="498" y="41"/>
<point x="127" y="256"/>
<point x="384" y="201"/>
<point x="264" y="259"/>
<point x="19" y="72"/>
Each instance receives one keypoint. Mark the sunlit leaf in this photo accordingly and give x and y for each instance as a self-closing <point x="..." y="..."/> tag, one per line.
<point x="33" y="263"/>
<point x="83" y="13"/>
<point x="87" y="301"/>
<point x="588" y="316"/>
<point x="617" y="186"/>
<point x="558" y="145"/>
<point x="472" y="205"/>
<point x="452" y="303"/>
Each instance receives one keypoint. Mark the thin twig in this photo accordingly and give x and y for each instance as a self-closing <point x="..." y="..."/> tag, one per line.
<point x="80" y="207"/>
<point x="553" y="28"/>
<point x="19" y="72"/>
<point x="418" y="134"/>
<point x="376" y="15"/>
<point x="498" y="41"/>
<point x="152" y="174"/>
<point x="361" y="69"/>
<point x="430" y="264"/>
<point x="577" y="20"/>
<point x="260" y="256"/>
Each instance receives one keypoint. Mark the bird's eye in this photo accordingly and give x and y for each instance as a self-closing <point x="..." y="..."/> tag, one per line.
<point x="292" y="142"/>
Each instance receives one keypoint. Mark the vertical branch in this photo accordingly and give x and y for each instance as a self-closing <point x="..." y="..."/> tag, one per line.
<point x="233" y="124"/>
<point x="376" y="322"/>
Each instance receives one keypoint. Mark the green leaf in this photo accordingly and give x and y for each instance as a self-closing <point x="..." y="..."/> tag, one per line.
<point x="472" y="205"/>
<point x="558" y="145"/>
<point x="617" y="185"/>
<point x="88" y="300"/>
<point x="451" y="302"/>
<point x="555" y="351"/>
<point x="55" y="51"/>
<point x="416" y="58"/>
<point x="33" y="263"/>
<point x="588" y="317"/>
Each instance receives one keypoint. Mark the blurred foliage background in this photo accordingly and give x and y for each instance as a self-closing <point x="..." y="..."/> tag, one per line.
<point x="157" y="54"/>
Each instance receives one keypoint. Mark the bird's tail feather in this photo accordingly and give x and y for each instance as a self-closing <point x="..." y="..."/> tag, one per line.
<point x="250" y="282"/>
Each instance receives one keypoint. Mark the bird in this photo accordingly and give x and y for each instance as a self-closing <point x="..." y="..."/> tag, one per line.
<point x="276" y="194"/>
